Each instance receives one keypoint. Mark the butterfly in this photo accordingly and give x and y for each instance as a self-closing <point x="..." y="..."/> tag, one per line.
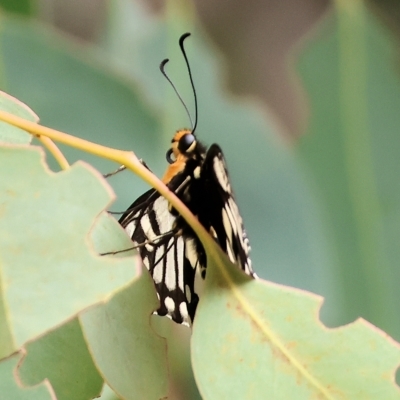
<point x="167" y="245"/>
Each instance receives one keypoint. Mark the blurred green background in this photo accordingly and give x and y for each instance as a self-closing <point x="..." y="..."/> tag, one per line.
<point x="303" y="97"/>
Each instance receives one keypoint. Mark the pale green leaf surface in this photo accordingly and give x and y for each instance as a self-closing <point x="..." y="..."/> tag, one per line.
<point x="108" y="236"/>
<point x="62" y="357"/>
<point x="6" y="339"/>
<point x="48" y="272"/>
<point x="352" y="151"/>
<point x="254" y="339"/>
<point x="11" y="390"/>
<point x="127" y="352"/>
<point x="9" y="133"/>
<point x="108" y="394"/>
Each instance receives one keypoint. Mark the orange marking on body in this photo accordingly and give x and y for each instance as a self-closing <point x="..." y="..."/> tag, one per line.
<point x="175" y="168"/>
<point x="179" y="164"/>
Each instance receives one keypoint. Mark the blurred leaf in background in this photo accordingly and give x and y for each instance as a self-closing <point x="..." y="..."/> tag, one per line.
<point x="21" y="7"/>
<point x="352" y="151"/>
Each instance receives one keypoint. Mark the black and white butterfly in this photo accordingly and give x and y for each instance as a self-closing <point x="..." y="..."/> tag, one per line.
<point x="168" y="247"/>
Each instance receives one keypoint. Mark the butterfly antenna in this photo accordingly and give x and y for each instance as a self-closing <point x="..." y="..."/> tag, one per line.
<point x="181" y="40"/>
<point x="162" y="69"/>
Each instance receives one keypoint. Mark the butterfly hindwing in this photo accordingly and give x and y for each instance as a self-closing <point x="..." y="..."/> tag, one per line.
<point x="164" y="253"/>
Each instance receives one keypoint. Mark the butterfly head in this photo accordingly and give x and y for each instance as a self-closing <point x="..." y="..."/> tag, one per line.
<point x="184" y="145"/>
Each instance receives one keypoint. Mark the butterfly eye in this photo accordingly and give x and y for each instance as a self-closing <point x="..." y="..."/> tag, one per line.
<point x="169" y="158"/>
<point x="186" y="143"/>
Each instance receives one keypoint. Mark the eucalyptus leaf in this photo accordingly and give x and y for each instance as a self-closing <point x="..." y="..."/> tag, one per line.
<point x="351" y="150"/>
<point x="10" y="388"/>
<point x="130" y="356"/>
<point x="62" y="357"/>
<point x="254" y="339"/>
<point x="48" y="272"/>
<point x="11" y="134"/>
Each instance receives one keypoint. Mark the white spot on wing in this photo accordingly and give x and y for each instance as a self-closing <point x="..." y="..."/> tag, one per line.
<point x="188" y="293"/>
<point x="196" y="172"/>
<point x="191" y="253"/>
<point x="237" y="224"/>
<point x="146" y="226"/>
<point x="220" y="172"/>
<point x="231" y="256"/>
<point x="234" y="216"/>
<point x="158" y="273"/>
<point x="130" y="228"/>
<point x="170" y="273"/>
<point x="165" y="219"/>
<point x="149" y="247"/>
<point x="170" y="304"/>
<point x="183" y="310"/>
<point x="213" y="233"/>
<point x="180" y="249"/>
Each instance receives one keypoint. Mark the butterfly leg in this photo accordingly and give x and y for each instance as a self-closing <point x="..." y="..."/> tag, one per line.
<point x="119" y="169"/>
<point x="152" y="242"/>
<point x="122" y="168"/>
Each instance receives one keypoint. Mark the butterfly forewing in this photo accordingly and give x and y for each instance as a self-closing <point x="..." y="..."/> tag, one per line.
<point x="218" y="211"/>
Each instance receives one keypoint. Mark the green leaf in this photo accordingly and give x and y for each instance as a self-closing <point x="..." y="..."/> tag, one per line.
<point x="126" y="350"/>
<point x="72" y="277"/>
<point x="254" y="339"/>
<point x="11" y="389"/>
<point x="351" y="150"/>
<point x="9" y="133"/>
<point x="48" y="272"/>
<point x="109" y="236"/>
<point x="62" y="357"/>
<point x="108" y="394"/>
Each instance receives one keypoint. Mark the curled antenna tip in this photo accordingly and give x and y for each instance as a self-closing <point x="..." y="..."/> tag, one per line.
<point x="183" y="37"/>
<point x="162" y="64"/>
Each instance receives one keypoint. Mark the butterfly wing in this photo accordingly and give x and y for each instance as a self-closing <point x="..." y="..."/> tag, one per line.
<point x="221" y="214"/>
<point x="164" y="252"/>
<point x="169" y="248"/>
